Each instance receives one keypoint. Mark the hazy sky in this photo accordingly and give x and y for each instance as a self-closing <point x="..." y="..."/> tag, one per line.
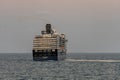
<point x="90" y="25"/>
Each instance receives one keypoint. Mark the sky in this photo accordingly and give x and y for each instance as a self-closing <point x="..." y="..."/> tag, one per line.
<point x="89" y="25"/>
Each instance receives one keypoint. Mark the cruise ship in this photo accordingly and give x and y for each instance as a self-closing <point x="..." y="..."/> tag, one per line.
<point x="50" y="45"/>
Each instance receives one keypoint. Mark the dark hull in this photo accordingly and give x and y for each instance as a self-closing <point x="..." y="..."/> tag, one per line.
<point x="48" y="55"/>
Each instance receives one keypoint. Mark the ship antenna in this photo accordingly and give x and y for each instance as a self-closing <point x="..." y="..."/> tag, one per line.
<point x="54" y="30"/>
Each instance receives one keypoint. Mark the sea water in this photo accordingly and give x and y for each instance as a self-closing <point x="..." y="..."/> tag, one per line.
<point x="76" y="67"/>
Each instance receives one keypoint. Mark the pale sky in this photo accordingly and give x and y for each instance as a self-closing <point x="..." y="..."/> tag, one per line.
<point x="90" y="25"/>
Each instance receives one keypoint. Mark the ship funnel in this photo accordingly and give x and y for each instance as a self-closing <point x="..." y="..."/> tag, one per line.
<point x="48" y="28"/>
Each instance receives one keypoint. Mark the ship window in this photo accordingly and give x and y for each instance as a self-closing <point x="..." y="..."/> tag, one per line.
<point x="53" y="50"/>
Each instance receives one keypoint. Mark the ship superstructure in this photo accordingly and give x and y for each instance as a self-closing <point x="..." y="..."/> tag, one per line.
<point x="49" y="45"/>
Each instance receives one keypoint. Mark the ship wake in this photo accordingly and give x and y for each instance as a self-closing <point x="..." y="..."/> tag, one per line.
<point x="79" y="60"/>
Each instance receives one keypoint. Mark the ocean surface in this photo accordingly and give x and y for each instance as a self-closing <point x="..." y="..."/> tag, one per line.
<point x="77" y="66"/>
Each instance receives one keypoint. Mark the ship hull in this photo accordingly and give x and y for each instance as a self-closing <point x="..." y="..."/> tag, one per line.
<point x="49" y="55"/>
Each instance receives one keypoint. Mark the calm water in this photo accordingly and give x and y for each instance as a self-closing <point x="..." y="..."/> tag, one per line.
<point x="21" y="67"/>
